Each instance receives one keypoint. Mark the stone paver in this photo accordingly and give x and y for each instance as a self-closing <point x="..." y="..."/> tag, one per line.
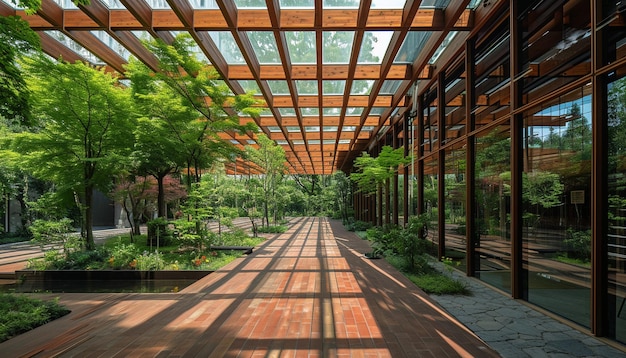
<point x="515" y="329"/>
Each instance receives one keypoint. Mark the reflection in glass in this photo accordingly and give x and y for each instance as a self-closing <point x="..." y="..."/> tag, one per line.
<point x="430" y="199"/>
<point x="617" y="208"/>
<point x="454" y="182"/>
<point x="556" y="204"/>
<point x="413" y="43"/>
<point x="491" y="236"/>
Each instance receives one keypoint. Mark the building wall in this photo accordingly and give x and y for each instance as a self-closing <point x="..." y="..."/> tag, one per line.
<point x="519" y="147"/>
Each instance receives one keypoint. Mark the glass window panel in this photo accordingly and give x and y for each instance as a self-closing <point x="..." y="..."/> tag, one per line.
<point x="333" y="111"/>
<point x="430" y="128"/>
<point x="361" y="87"/>
<point x="354" y="111"/>
<point x="454" y="204"/>
<point x="301" y="45"/>
<point x="264" y="46"/>
<point x="413" y="43"/>
<point x="278" y="86"/>
<point x="337" y="46"/>
<point x="431" y="202"/>
<point x="556" y="205"/>
<point x="310" y="111"/>
<point x="305" y="4"/>
<point x="492" y="196"/>
<point x="554" y="50"/>
<point x="227" y="46"/>
<point x="334" y="87"/>
<point x="390" y="86"/>
<point x="250" y="86"/>
<point x="287" y="112"/>
<point x="305" y="87"/>
<point x="616" y="238"/>
<point x="204" y="4"/>
<point x="444" y="44"/>
<point x="455" y="122"/>
<point x="374" y="46"/>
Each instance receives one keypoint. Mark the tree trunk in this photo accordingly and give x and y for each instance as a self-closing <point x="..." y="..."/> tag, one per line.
<point x="88" y="220"/>
<point x="161" y="198"/>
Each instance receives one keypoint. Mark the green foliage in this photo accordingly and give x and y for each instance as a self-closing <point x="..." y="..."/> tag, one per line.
<point x="579" y="243"/>
<point x="439" y="284"/>
<point x="372" y="172"/>
<point x="159" y="232"/>
<point x="46" y="232"/>
<point x="20" y="313"/>
<point x="122" y="255"/>
<point x="357" y="225"/>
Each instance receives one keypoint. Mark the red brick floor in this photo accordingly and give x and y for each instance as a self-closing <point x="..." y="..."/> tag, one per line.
<point x="305" y="293"/>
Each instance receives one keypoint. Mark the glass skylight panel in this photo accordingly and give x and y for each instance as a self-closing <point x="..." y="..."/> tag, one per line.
<point x="11" y="4"/>
<point x="274" y="129"/>
<point x="333" y="87"/>
<point x="287" y="112"/>
<point x="311" y="129"/>
<point x="313" y="141"/>
<point x="390" y="86"/>
<point x="250" y="86"/>
<point x="74" y="46"/>
<point x="266" y="112"/>
<point x="298" y="141"/>
<point x="204" y="4"/>
<point x="330" y="128"/>
<point x="66" y="4"/>
<point x="158" y="4"/>
<point x="306" y="87"/>
<point x="329" y="141"/>
<point x="337" y="46"/>
<point x="227" y="46"/>
<point x="348" y="129"/>
<point x="345" y="4"/>
<point x="310" y="111"/>
<point x="282" y="142"/>
<point x="473" y="4"/>
<point x="443" y="46"/>
<point x="255" y="4"/>
<point x="388" y="4"/>
<point x="301" y="45"/>
<point x="301" y="4"/>
<point x="264" y="46"/>
<point x="112" y="43"/>
<point x="332" y="111"/>
<point x="354" y="111"/>
<point x="278" y="87"/>
<point x="113" y="4"/>
<point x="344" y="141"/>
<point x="195" y="49"/>
<point x="361" y="87"/>
<point x="234" y="141"/>
<point x="377" y="111"/>
<point x="142" y="35"/>
<point x="413" y="43"/>
<point x="367" y="128"/>
<point x="293" y="129"/>
<point x="374" y="46"/>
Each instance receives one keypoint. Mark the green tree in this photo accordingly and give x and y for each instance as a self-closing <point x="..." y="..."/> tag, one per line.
<point x="86" y="122"/>
<point x="374" y="171"/>
<point x="271" y="159"/>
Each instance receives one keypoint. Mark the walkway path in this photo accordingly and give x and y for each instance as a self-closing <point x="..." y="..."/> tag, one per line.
<point x="306" y="293"/>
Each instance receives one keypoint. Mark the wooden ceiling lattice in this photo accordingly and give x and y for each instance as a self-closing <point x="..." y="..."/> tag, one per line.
<point x="344" y="122"/>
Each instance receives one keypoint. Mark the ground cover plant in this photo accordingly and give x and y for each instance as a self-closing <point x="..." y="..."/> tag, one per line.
<point x="20" y="313"/>
<point x="408" y="251"/>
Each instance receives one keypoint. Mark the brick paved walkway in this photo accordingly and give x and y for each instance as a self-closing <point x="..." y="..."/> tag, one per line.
<point x="306" y="293"/>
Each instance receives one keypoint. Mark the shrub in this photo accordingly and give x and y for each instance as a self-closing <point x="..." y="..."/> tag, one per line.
<point x="272" y="229"/>
<point x="159" y="232"/>
<point x="439" y="284"/>
<point x="122" y="255"/>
